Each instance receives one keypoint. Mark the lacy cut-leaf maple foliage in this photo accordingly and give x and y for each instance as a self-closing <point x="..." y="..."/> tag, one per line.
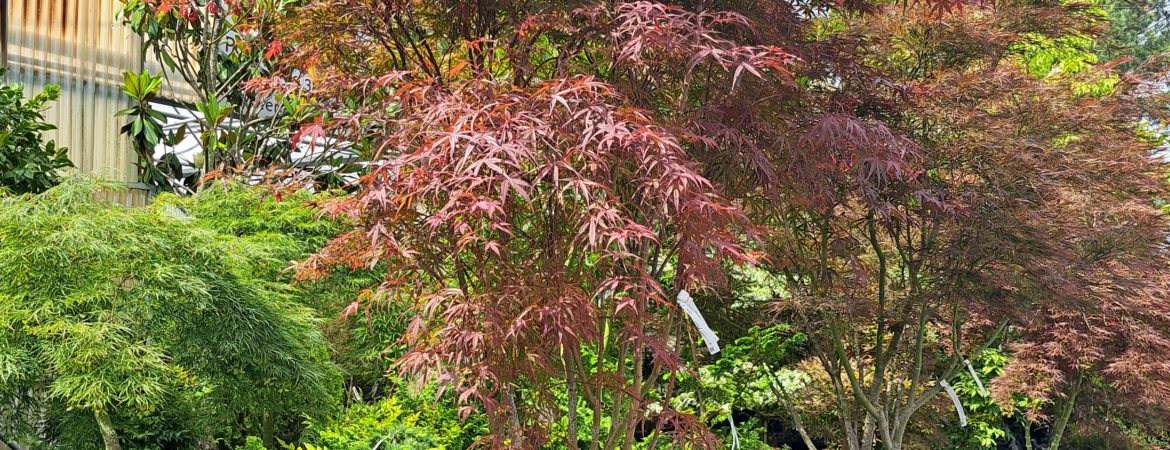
<point x="538" y="216"/>
<point x="532" y="227"/>
<point x="548" y="174"/>
<point x="1050" y="231"/>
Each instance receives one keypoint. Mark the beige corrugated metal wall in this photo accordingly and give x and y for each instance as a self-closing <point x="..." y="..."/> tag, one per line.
<point x="174" y="87"/>
<point x="81" y="46"/>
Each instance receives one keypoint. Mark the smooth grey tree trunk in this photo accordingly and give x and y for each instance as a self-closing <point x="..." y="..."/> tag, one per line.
<point x="109" y="435"/>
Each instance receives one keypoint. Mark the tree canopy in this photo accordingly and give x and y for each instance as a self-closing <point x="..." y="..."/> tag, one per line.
<point x="122" y="313"/>
<point x="615" y="225"/>
<point x="925" y="180"/>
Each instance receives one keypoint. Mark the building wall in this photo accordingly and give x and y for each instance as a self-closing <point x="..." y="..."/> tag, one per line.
<point x="174" y="88"/>
<point x="81" y="46"/>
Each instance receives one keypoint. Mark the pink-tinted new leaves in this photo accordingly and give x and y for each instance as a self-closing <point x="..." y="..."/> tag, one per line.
<point x="523" y="205"/>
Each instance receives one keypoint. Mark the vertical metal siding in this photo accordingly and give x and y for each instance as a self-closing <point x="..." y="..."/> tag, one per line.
<point x="81" y="46"/>
<point x="4" y="32"/>
<point x="174" y="88"/>
<point x="130" y="197"/>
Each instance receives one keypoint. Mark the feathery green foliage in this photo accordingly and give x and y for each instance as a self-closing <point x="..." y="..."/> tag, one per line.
<point x="406" y="421"/>
<point x="280" y="226"/>
<point x="119" y="312"/>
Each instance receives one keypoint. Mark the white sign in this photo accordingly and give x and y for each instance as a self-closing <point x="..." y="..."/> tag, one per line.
<point x="268" y="107"/>
<point x="303" y="80"/>
<point x="227" y="45"/>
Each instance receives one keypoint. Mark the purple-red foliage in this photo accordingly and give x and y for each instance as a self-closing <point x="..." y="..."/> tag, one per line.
<point x="520" y="221"/>
<point x="546" y="175"/>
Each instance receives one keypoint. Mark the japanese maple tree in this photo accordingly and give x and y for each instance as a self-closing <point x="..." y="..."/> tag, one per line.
<point x="537" y="212"/>
<point x="545" y="176"/>
<point x="1027" y="218"/>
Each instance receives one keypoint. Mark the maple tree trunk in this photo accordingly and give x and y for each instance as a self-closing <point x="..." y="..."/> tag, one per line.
<point x="794" y="413"/>
<point x="1028" y="434"/>
<point x="267" y="431"/>
<point x="632" y="415"/>
<point x="851" y="438"/>
<point x="868" y="433"/>
<point x="619" y="412"/>
<point x="1061" y="424"/>
<point x="109" y="435"/>
<point x="514" y="412"/>
<point x="571" y="377"/>
<point x="596" y="431"/>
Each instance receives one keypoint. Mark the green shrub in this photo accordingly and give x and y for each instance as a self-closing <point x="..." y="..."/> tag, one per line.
<point x="253" y="443"/>
<point x="284" y="225"/>
<point x="404" y="421"/>
<point x="27" y="162"/>
<point x="128" y="315"/>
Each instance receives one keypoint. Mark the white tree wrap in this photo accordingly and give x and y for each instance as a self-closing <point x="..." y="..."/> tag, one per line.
<point x="955" y="400"/>
<point x="688" y="305"/>
<point x="975" y="377"/>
